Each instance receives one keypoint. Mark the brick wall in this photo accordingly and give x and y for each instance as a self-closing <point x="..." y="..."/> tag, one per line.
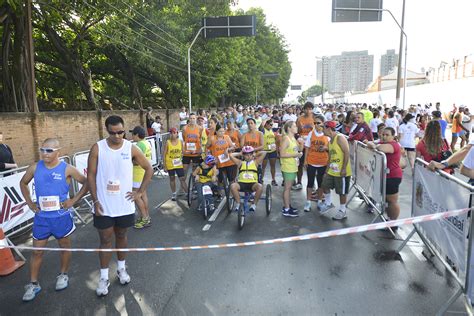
<point x="76" y="131"/>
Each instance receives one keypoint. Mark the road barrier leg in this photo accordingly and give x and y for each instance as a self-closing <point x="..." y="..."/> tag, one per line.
<point x="405" y="242"/>
<point x="450" y="302"/>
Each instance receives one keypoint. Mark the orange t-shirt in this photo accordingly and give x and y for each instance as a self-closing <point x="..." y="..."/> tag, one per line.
<point x="218" y="147"/>
<point x="252" y="139"/>
<point x="234" y="137"/>
<point x="456" y="128"/>
<point x="305" y="125"/>
<point x="315" y="156"/>
<point x="192" y="141"/>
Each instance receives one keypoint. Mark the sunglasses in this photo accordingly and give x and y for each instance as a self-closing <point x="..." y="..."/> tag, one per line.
<point x="48" y="150"/>
<point x="318" y="123"/>
<point x="116" y="133"/>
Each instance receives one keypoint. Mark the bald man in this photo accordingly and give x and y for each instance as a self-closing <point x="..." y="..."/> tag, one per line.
<point x="52" y="210"/>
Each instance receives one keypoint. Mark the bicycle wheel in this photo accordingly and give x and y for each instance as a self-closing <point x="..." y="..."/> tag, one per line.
<point x="190" y="189"/>
<point x="228" y="202"/>
<point x="205" y="210"/>
<point x="268" y="199"/>
<point x="241" y="217"/>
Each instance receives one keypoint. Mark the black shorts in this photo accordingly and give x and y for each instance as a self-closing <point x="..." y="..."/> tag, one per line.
<point x="104" y="222"/>
<point x="229" y="171"/>
<point x="179" y="172"/>
<point x="392" y="185"/>
<point x="315" y="172"/>
<point x="245" y="187"/>
<point x="272" y="155"/>
<point x="409" y="149"/>
<point x="194" y="159"/>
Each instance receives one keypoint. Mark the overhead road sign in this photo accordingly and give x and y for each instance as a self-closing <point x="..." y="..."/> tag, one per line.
<point x="229" y="26"/>
<point x="295" y="87"/>
<point x="357" y="10"/>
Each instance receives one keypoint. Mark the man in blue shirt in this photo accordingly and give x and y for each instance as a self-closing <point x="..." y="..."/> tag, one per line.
<point x="52" y="210"/>
<point x="443" y="123"/>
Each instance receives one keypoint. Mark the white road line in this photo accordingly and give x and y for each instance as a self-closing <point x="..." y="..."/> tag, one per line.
<point x="214" y="215"/>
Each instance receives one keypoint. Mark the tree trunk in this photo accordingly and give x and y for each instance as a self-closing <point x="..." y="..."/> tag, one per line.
<point x="6" y="80"/>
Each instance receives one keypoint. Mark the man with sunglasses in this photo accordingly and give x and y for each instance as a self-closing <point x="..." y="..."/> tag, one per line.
<point x="52" y="210"/>
<point x="110" y="178"/>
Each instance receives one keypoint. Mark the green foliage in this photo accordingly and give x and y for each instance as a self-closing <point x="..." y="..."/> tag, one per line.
<point x="312" y="91"/>
<point x="132" y="53"/>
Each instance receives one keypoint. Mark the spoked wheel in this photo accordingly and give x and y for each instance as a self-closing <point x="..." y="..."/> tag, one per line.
<point x="228" y="202"/>
<point x="190" y="189"/>
<point x="205" y="210"/>
<point x="268" y="199"/>
<point x="241" y="217"/>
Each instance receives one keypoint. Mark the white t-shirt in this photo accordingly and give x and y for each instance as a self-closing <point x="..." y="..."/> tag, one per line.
<point x="408" y="132"/>
<point x="393" y="123"/>
<point x="469" y="160"/>
<point x="328" y="116"/>
<point x="374" y="123"/>
<point x="289" y="117"/>
<point x="467" y="122"/>
<point x="156" y="127"/>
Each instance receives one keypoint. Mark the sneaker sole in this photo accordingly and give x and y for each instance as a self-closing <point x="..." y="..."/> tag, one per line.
<point x="339" y="219"/>
<point x="36" y="294"/>
<point x="289" y="215"/>
<point x="123" y="283"/>
<point x="60" y="289"/>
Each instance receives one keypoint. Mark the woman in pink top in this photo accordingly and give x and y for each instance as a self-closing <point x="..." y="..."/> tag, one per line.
<point x="392" y="151"/>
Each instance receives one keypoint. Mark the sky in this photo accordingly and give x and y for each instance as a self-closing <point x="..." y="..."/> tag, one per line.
<point x="437" y="30"/>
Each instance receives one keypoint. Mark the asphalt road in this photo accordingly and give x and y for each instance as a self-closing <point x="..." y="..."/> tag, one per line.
<point x="353" y="275"/>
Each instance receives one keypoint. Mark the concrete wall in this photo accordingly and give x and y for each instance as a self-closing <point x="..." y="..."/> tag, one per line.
<point x="76" y="131"/>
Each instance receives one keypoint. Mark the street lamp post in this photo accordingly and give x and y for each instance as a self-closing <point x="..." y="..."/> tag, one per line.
<point x="322" y="75"/>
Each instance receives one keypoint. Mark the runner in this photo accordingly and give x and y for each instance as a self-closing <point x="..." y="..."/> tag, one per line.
<point x="253" y="137"/>
<point x="219" y="144"/>
<point x="247" y="180"/>
<point x="206" y="174"/>
<point x="234" y="134"/>
<point x="338" y="175"/>
<point x="408" y="131"/>
<point x="192" y="143"/>
<point x="305" y="125"/>
<point x="173" y="153"/>
<point x="270" y="146"/>
<point x="290" y="154"/>
<point x="315" y="161"/>
<point x="183" y="118"/>
<point x="138" y="135"/>
<point x="52" y="210"/>
<point x="110" y="179"/>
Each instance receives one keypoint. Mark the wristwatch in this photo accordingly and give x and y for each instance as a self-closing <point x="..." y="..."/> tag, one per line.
<point x="445" y="163"/>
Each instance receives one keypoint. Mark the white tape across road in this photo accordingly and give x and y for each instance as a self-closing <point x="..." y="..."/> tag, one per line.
<point x="330" y="233"/>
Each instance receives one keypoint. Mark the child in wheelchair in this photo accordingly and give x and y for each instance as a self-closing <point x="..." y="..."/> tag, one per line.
<point x="206" y="178"/>
<point x="248" y="175"/>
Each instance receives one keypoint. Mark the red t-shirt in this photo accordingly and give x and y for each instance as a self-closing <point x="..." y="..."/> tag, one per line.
<point x="393" y="161"/>
<point x="421" y="148"/>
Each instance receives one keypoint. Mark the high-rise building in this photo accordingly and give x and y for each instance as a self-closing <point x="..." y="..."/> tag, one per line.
<point x="388" y="61"/>
<point x="350" y="71"/>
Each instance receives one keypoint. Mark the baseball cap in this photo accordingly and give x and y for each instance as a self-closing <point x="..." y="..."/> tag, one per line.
<point x="330" y="124"/>
<point x="173" y="130"/>
<point x="138" y="130"/>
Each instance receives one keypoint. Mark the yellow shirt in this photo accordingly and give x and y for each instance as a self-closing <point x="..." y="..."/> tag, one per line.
<point x="248" y="172"/>
<point x="290" y="164"/>
<point x="269" y="140"/>
<point x="174" y="154"/>
<point x="336" y="158"/>
<point x="138" y="171"/>
<point x="205" y="175"/>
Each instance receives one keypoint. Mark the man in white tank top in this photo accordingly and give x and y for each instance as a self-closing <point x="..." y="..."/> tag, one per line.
<point x="110" y="178"/>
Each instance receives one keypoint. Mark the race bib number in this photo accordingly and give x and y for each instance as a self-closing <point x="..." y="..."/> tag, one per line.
<point x="49" y="203"/>
<point x="191" y="146"/>
<point x="113" y="187"/>
<point x="334" y="167"/>
<point x="223" y="158"/>
<point x="272" y="147"/>
<point x="275" y="125"/>
<point x="177" y="162"/>
<point x="206" y="190"/>
<point x="248" y="176"/>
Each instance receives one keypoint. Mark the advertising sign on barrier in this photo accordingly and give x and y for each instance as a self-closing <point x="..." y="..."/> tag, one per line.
<point x="80" y="162"/>
<point x="370" y="172"/>
<point x="434" y="193"/>
<point x="154" y="158"/>
<point x="14" y="210"/>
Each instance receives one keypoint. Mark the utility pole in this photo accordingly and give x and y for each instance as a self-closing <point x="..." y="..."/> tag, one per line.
<point x="30" y="61"/>
<point x="400" y="51"/>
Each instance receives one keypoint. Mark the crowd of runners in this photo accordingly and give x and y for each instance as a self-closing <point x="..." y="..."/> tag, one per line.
<point x="235" y="146"/>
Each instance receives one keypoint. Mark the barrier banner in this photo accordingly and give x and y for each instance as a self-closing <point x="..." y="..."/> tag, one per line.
<point x="370" y="172"/>
<point x="80" y="162"/>
<point x="154" y="158"/>
<point x="436" y="193"/>
<point x="14" y="210"/>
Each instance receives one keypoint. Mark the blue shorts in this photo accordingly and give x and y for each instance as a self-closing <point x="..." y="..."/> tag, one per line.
<point x="461" y="133"/>
<point x="59" y="226"/>
<point x="272" y="155"/>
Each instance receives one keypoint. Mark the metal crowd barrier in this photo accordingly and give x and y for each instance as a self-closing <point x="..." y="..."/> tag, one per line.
<point x="436" y="192"/>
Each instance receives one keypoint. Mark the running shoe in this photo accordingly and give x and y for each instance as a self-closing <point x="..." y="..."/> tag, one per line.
<point x="31" y="290"/>
<point x="252" y="208"/>
<point x="274" y="183"/>
<point x="173" y="197"/>
<point x="340" y="214"/>
<point x="324" y="208"/>
<point x="142" y="223"/>
<point x="123" y="276"/>
<point x="62" y="281"/>
<point x="294" y="187"/>
<point x="102" y="287"/>
<point x="307" y="206"/>
<point x="293" y="209"/>
<point x="289" y="213"/>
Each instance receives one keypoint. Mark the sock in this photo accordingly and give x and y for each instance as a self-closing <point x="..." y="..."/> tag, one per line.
<point x="120" y="264"/>
<point x="287" y="209"/>
<point x="34" y="282"/>
<point x="308" y="201"/>
<point x="343" y="207"/>
<point x="327" y="197"/>
<point x="104" y="273"/>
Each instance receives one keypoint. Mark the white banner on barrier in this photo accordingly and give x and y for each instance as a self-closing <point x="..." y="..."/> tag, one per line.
<point x="14" y="210"/>
<point x="154" y="159"/>
<point x="80" y="162"/>
<point x="434" y="193"/>
<point x="369" y="172"/>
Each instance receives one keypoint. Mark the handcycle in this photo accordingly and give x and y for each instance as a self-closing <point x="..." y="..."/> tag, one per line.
<point x="207" y="190"/>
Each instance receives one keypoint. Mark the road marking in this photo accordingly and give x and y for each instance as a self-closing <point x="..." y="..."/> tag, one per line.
<point x="214" y="215"/>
